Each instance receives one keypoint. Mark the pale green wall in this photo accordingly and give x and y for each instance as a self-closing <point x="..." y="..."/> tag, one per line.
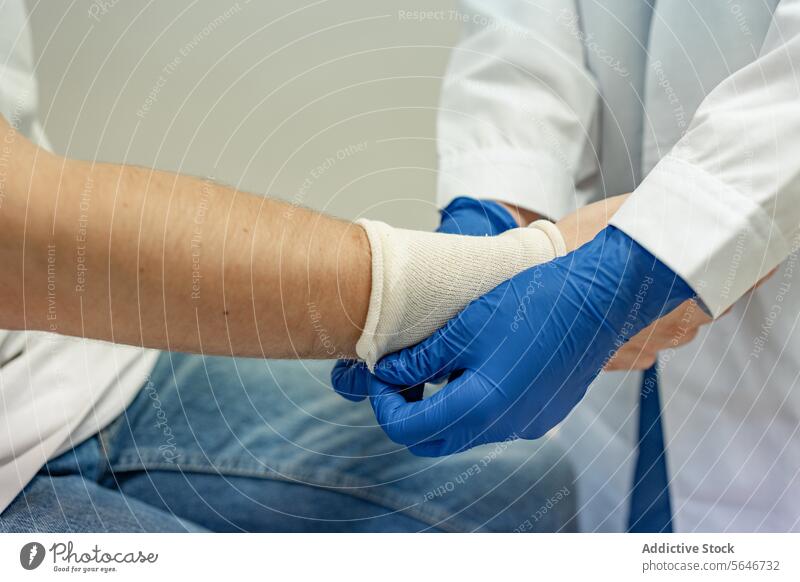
<point x="262" y="99"/>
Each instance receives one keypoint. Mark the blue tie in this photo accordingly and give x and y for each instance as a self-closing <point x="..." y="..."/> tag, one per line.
<point x="650" y="505"/>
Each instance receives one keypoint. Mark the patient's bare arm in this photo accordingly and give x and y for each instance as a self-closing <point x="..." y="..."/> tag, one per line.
<point x="144" y="257"/>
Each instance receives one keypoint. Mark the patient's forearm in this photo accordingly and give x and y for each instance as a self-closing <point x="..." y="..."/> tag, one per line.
<point x="150" y="258"/>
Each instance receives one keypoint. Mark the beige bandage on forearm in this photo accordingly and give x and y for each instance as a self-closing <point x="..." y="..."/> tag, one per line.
<point x="420" y="280"/>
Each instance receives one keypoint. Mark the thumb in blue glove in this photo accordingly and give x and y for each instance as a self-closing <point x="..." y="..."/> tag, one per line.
<point x="524" y="354"/>
<point x="466" y="216"/>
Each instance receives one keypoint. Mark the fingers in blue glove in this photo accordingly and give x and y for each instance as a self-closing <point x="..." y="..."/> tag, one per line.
<point x="429" y="361"/>
<point x="350" y="379"/>
<point x="450" y="421"/>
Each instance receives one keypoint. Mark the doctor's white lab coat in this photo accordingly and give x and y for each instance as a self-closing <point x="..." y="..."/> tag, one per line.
<point x="695" y="107"/>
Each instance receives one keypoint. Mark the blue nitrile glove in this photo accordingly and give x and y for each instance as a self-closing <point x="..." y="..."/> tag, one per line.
<point x="472" y="217"/>
<point x="466" y="216"/>
<point x="525" y="353"/>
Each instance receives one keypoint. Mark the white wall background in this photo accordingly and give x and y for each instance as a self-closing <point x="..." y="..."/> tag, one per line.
<point x="257" y="93"/>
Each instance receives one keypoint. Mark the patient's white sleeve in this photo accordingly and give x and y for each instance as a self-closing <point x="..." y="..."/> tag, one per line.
<point x="420" y="280"/>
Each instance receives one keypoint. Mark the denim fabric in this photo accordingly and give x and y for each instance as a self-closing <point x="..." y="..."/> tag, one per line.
<point x="66" y="497"/>
<point x="227" y="444"/>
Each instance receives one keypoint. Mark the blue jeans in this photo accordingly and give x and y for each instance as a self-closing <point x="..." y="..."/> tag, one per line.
<point x="227" y="444"/>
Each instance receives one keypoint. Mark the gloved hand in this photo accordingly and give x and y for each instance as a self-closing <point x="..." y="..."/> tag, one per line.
<point x="524" y="354"/>
<point x="475" y="218"/>
<point x="466" y="216"/>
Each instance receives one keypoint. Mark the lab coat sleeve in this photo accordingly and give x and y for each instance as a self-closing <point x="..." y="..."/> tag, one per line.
<point x="723" y="207"/>
<point x="516" y="107"/>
